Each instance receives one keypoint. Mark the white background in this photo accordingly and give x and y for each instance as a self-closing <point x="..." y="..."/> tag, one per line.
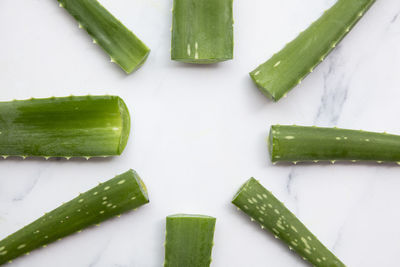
<point x="199" y="132"/>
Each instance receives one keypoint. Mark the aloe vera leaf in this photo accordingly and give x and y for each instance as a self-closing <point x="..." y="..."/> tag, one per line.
<point x="124" y="47"/>
<point x="189" y="240"/>
<point x="120" y="194"/>
<point x="262" y="206"/>
<point x="300" y="143"/>
<point x="202" y="31"/>
<point x="286" y="69"/>
<point x="75" y="126"/>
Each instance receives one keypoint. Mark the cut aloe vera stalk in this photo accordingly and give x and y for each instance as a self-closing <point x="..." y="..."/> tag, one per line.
<point x="299" y="143"/>
<point x="122" y="193"/>
<point x="261" y="205"/>
<point x="276" y="77"/>
<point x="124" y="48"/>
<point x="189" y="240"/>
<point x="202" y="31"/>
<point x="76" y="126"/>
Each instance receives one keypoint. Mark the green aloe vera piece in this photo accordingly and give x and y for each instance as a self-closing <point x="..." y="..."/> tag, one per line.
<point x="122" y="193"/>
<point x="300" y="143"/>
<point x="262" y="206"/>
<point x="189" y="240"/>
<point x="75" y="126"/>
<point x="276" y="77"/>
<point x="202" y="31"/>
<point x="124" y="47"/>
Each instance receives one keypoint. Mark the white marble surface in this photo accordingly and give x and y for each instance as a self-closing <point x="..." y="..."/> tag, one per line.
<point x="199" y="132"/>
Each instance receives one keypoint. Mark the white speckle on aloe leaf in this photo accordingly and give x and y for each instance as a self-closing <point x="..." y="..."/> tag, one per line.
<point x="251" y="219"/>
<point x="259" y="196"/>
<point x="305" y="242"/>
<point x="101" y="212"/>
<point x="360" y="14"/>
<point x="347" y="29"/>
<point x="109" y="205"/>
<point x="276" y="211"/>
<point x="188" y="50"/>
<point x="78" y="210"/>
<point x="114" y="206"/>
<point x="80" y="26"/>
<point x="94" y="41"/>
<point x="46" y="237"/>
<point x="245" y="207"/>
<point x="270" y="205"/>
<point x="133" y="198"/>
<point x="338" y="138"/>
<point x="307" y="251"/>
<point x="256" y="73"/>
<point x="121" y="182"/>
<point x="21" y="246"/>
<point x="104" y="198"/>
<point x="2" y="248"/>
<point x="61" y="5"/>
<point x="115" y="129"/>
<point x="106" y="188"/>
<point x="318" y="259"/>
<point x="280" y="226"/>
<point x="367" y="140"/>
<point x="95" y="193"/>
<point x="289" y="137"/>
<point x="250" y="201"/>
<point x="260" y="219"/>
<point x="81" y="200"/>
<point x="3" y="253"/>
<point x="293" y="243"/>
<point x="254" y="199"/>
<point x="293" y="228"/>
<point x="277" y="64"/>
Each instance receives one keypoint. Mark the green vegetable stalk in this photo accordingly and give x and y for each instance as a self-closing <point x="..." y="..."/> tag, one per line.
<point x="276" y="77"/>
<point x="270" y="213"/>
<point x="299" y="143"/>
<point x="75" y="126"/>
<point x="202" y="31"/>
<point x="189" y="240"/>
<point x="124" y="48"/>
<point x="122" y="193"/>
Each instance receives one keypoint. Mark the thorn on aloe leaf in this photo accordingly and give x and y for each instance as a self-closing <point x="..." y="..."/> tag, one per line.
<point x="77" y="214"/>
<point x="271" y="214"/>
<point x="301" y="143"/>
<point x="283" y="71"/>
